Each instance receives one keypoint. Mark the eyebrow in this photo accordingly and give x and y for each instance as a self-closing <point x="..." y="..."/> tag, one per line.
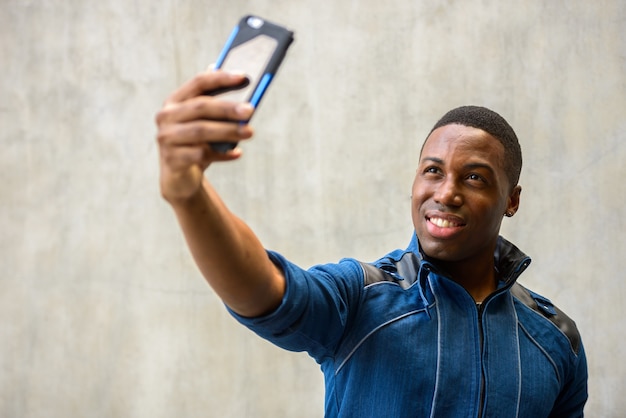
<point x="433" y="159"/>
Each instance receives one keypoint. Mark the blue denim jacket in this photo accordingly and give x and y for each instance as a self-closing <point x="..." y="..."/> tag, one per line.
<point x="398" y="339"/>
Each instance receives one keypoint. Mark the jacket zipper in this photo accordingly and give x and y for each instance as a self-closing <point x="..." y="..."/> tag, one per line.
<point x="481" y="307"/>
<point x="482" y="369"/>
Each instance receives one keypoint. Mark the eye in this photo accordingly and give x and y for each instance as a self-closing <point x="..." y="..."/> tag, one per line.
<point x="431" y="170"/>
<point x="476" y="178"/>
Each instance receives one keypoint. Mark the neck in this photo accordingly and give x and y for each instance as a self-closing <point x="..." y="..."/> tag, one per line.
<point x="478" y="277"/>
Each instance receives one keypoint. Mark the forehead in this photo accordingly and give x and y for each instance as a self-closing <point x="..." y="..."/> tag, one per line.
<point x="464" y="142"/>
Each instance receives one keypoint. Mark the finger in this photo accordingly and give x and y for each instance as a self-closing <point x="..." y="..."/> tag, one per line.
<point x="203" y="82"/>
<point x="203" y="131"/>
<point x="180" y="158"/>
<point x="203" y="107"/>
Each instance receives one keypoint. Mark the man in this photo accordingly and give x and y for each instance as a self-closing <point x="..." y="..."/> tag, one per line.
<point x="440" y="329"/>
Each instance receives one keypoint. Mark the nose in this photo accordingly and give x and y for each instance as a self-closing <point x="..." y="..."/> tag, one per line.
<point x="448" y="193"/>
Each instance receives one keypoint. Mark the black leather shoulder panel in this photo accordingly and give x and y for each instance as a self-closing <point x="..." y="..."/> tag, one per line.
<point x="551" y="312"/>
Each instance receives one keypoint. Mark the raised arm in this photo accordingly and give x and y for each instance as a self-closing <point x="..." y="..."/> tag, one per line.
<point x="227" y="252"/>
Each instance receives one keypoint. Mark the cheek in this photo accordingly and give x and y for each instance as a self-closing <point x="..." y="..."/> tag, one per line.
<point x="419" y="191"/>
<point x="418" y="196"/>
<point x="418" y="199"/>
<point x="493" y="215"/>
<point x="414" y="204"/>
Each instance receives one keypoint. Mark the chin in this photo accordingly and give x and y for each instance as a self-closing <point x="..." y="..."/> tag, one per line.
<point x="441" y="252"/>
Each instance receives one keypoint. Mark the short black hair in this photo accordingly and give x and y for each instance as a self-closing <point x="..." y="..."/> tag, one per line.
<point x="489" y="121"/>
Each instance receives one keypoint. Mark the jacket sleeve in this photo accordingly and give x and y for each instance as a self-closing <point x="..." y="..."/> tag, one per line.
<point x="572" y="399"/>
<point x="315" y="309"/>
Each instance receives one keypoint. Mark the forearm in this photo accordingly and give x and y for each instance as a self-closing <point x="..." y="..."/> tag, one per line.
<point x="229" y="255"/>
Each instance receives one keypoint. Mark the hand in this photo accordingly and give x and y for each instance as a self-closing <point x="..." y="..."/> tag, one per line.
<point x="188" y="122"/>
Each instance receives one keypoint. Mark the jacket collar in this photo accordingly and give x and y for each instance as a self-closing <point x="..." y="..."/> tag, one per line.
<point x="509" y="260"/>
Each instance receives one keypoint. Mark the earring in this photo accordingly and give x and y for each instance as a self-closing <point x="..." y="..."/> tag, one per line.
<point x="509" y="214"/>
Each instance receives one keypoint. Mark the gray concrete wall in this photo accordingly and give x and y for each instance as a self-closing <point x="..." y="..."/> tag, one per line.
<point x="103" y="313"/>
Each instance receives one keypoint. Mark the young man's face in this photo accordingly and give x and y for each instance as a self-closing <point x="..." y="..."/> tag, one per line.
<point x="460" y="194"/>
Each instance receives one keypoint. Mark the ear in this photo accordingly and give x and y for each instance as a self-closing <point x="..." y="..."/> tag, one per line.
<point x="513" y="201"/>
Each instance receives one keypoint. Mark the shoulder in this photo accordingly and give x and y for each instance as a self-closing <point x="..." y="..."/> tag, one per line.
<point x="399" y="267"/>
<point x="544" y="307"/>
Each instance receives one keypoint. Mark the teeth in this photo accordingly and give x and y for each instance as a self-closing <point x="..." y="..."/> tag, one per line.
<point x="443" y="223"/>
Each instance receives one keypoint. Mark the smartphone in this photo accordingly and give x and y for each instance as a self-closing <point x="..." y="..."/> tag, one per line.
<point x="255" y="47"/>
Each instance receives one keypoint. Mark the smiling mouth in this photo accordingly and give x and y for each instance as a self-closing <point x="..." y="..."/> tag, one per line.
<point x="444" y="223"/>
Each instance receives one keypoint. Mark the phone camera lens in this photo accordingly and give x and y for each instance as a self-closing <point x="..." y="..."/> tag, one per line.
<point x="255" y="22"/>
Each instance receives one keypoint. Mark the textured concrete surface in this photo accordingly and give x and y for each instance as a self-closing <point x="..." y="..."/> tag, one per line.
<point x="103" y="313"/>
